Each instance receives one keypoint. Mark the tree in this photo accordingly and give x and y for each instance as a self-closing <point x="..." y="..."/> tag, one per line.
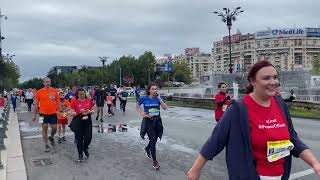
<point x="316" y="65"/>
<point x="9" y="76"/>
<point x="181" y="73"/>
<point x="36" y="83"/>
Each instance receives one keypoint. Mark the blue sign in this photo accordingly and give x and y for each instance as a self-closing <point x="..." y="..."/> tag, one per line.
<point x="283" y="32"/>
<point x="170" y="66"/>
<point x="313" y="32"/>
<point x="238" y="67"/>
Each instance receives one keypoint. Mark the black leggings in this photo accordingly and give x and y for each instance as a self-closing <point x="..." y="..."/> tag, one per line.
<point x="124" y="103"/>
<point x="29" y="102"/>
<point x="109" y="109"/>
<point x="153" y="137"/>
<point x="84" y="136"/>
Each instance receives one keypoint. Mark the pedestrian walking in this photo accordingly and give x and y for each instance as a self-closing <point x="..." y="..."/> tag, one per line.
<point x="81" y="123"/>
<point x="151" y="123"/>
<point x="47" y="101"/>
<point x="222" y="100"/>
<point x="257" y="132"/>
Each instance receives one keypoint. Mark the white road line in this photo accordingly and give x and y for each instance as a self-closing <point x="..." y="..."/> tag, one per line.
<point x="301" y="174"/>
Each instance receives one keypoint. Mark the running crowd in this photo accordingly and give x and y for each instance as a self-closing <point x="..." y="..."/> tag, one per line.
<point x="256" y="130"/>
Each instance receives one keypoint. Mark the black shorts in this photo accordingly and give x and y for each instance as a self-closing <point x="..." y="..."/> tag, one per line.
<point x="100" y="104"/>
<point x="48" y="118"/>
<point x="114" y="101"/>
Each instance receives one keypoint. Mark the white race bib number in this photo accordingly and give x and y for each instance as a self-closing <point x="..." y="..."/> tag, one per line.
<point x="41" y="118"/>
<point x="154" y="112"/>
<point x="224" y="108"/>
<point x="278" y="149"/>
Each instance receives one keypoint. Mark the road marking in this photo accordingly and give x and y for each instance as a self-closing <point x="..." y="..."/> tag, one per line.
<point x="301" y="174"/>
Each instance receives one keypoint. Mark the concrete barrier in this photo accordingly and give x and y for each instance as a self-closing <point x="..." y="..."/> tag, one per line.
<point x="207" y="101"/>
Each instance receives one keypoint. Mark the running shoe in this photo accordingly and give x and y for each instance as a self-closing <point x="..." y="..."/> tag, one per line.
<point x="47" y="148"/>
<point x="80" y="159"/>
<point x="64" y="138"/>
<point x="60" y="140"/>
<point x="51" y="141"/>
<point x="156" y="165"/>
<point x="148" y="153"/>
<point x="86" y="153"/>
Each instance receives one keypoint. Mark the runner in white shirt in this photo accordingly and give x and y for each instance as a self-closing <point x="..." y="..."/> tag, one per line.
<point x="29" y="98"/>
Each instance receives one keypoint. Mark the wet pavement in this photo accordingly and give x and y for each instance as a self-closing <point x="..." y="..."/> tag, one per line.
<point x="120" y="155"/>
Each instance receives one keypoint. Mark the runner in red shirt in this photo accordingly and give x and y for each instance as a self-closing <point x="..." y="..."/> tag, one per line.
<point x="262" y="126"/>
<point x="62" y="112"/>
<point x="81" y="123"/>
<point x="222" y="100"/>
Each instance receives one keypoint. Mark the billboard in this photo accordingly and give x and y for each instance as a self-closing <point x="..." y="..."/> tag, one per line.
<point x="234" y="39"/>
<point x="313" y="32"/>
<point x="284" y="32"/>
<point x="192" y="51"/>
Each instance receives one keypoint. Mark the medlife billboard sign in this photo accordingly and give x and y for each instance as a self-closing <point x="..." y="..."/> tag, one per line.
<point x="284" y="32"/>
<point x="313" y="32"/>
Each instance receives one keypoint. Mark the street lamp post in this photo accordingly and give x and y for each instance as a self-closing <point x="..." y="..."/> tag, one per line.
<point x="1" y="38"/>
<point x="227" y="17"/>
<point x="103" y="59"/>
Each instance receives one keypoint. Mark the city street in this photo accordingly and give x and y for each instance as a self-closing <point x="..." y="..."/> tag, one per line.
<point x="120" y="155"/>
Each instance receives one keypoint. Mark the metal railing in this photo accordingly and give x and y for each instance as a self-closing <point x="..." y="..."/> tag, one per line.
<point x="4" y="117"/>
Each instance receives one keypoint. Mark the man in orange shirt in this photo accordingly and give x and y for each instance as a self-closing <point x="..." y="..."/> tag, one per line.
<point x="47" y="99"/>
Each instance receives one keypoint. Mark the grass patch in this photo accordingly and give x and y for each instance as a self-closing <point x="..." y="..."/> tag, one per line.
<point x="295" y="112"/>
<point x="303" y="113"/>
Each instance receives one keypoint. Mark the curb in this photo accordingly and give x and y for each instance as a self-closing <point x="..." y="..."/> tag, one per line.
<point x="15" y="165"/>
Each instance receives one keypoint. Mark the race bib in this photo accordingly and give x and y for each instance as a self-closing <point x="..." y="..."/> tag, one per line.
<point x="85" y="117"/>
<point x="113" y="97"/>
<point x="278" y="149"/>
<point x="124" y="98"/>
<point x="154" y="112"/>
<point x="224" y="108"/>
<point x="41" y="118"/>
<point x="63" y="114"/>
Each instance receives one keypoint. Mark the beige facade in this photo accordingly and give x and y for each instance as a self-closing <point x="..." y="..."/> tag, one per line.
<point x="198" y="64"/>
<point x="286" y="53"/>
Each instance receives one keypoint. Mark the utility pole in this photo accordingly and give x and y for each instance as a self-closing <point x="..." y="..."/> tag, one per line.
<point x="120" y="77"/>
<point x="1" y="38"/>
<point x="103" y="59"/>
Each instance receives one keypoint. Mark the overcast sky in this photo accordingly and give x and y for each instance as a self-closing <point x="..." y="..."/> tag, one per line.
<point x="46" y="33"/>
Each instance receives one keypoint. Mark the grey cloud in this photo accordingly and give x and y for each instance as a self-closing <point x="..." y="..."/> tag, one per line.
<point x="43" y="34"/>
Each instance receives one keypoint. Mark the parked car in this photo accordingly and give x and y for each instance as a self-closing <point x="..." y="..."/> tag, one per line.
<point x="130" y="91"/>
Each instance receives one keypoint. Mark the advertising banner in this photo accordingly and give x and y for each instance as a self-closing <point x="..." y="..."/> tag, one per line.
<point x="284" y="32"/>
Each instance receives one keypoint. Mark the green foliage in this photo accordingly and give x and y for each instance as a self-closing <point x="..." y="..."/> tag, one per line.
<point x="181" y="73"/>
<point x="32" y="83"/>
<point x="9" y="76"/>
<point x="316" y="65"/>
<point x="140" y="68"/>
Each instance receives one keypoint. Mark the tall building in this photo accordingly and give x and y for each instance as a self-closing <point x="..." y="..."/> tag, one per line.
<point x="199" y="63"/>
<point x="287" y="48"/>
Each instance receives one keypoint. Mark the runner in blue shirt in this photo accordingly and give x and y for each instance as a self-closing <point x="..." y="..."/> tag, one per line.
<point x="151" y="123"/>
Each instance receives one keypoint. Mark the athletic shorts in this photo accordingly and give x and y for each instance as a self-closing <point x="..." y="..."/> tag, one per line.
<point x="62" y="121"/>
<point x="100" y="104"/>
<point x="48" y="118"/>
